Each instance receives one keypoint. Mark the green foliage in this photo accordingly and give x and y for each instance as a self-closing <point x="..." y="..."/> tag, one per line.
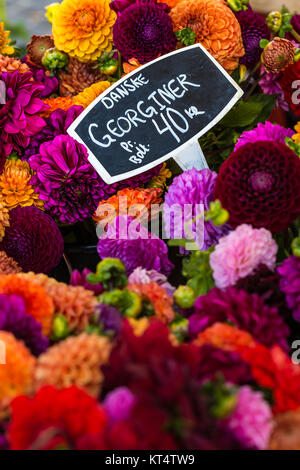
<point x="197" y="270"/>
<point x="127" y="302"/>
<point x="110" y="272"/>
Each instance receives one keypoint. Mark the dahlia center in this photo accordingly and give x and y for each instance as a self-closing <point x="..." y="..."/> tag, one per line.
<point x="150" y="32"/>
<point x="85" y="19"/>
<point x="261" y="181"/>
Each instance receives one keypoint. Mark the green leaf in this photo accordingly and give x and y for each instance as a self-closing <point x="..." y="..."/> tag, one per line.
<point x="245" y="113"/>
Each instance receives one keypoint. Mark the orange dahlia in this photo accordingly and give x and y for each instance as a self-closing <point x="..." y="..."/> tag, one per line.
<point x="83" y="28"/>
<point x="8" y="265"/>
<point x="225" y="337"/>
<point x="157" y="296"/>
<point x="216" y="28"/>
<point x="171" y="3"/>
<point x="15" y="185"/>
<point x="88" y="95"/>
<point x="4" y="217"/>
<point x="37" y="302"/>
<point x="16" y="374"/>
<point x="75" y="361"/>
<point x="5" y="48"/>
<point x="134" y="202"/>
<point x="139" y="325"/>
<point x="73" y="302"/>
<point x="57" y="103"/>
<point x="10" y="64"/>
<point x="132" y="64"/>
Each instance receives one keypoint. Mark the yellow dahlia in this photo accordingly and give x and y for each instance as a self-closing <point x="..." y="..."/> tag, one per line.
<point x="216" y="28"/>
<point x="4" y="217"/>
<point x="296" y="137"/>
<point x="15" y="187"/>
<point x="88" y="95"/>
<point x="5" y="48"/>
<point x="159" y="181"/>
<point x="16" y="375"/>
<point x="83" y="28"/>
<point x="74" y="361"/>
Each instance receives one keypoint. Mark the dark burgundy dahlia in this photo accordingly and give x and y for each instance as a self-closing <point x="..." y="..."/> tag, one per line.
<point x="254" y="28"/>
<point x="143" y="29"/>
<point x="245" y="311"/>
<point x="259" y="185"/>
<point x="33" y="239"/>
<point x="289" y="84"/>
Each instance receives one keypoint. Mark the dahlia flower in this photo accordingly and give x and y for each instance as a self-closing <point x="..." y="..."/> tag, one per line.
<point x="239" y="253"/>
<point x="37" y="303"/>
<point x="8" y="265"/>
<point x="258" y="184"/>
<point x="4" y="217"/>
<point x="44" y="77"/>
<point x="289" y="272"/>
<point x="75" y="303"/>
<point x="134" y="246"/>
<point x="291" y="75"/>
<point x="56" y="124"/>
<point x="247" y="312"/>
<point x="79" y="279"/>
<point x="216" y="28"/>
<point x="143" y="29"/>
<point x="254" y="29"/>
<point x="190" y="189"/>
<point x="33" y="240"/>
<point x="251" y="420"/>
<point x="83" y="28"/>
<point x="10" y="64"/>
<point x="110" y="319"/>
<point x="65" y="180"/>
<point x="270" y="85"/>
<point x="278" y="54"/>
<point x="16" y="375"/>
<point x="157" y="296"/>
<point x="265" y="283"/>
<point x="286" y="431"/>
<point x="37" y="47"/>
<point x="144" y="276"/>
<point x="54" y="419"/>
<point x="118" y="404"/>
<point x="88" y="95"/>
<point x="224" y="336"/>
<point x="56" y="103"/>
<point x="15" y="319"/>
<point x="267" y="132"/>
<point x="19" y="116"/>
<point x="136" y="202"/>
<point x="159" y="181"/>
<point x="74" y="361"/>
<point x="5" y="40"/>
<point x="15" y="187"/>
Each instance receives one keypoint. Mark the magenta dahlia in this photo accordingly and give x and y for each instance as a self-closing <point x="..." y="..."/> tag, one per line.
<point x="19" y="116"/>
<point x="143" y="29"/>
<point x="135" y="246"/>
<point x="289" y="272"/>
<point x="251" y="420"/>
<point x="247" y="312"/>
<point x="259" y="185"/>
<point x="266" y="131"/>
<point x="254" y="28"/>
<point x="33" y="240"/>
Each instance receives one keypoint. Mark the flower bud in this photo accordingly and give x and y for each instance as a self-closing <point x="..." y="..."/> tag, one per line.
<point x="296" y="246"/>
<point x="184" y="296"/>
<point x="274" y="20"/>
<point x="54" y="59"/>
<point x="60" y="329"/>
<point x="278" y="54"/>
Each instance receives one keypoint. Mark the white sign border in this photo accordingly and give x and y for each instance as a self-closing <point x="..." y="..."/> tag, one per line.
<point x="108" y="179"/>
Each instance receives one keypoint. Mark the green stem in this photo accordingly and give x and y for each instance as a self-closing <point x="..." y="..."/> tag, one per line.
<point x="3" y="14"/>
<point x="296" y="35"/>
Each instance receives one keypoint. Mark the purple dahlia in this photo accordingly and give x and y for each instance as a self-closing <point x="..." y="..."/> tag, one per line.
<point x="254" y="28"/>
<point x="56" y="124"/>
<point x="15" y="319"/>
<point x="33" y="240"/>
<point x="143" y="29"/>
<point x="188" y="191"/>
<point x="67" y="182"/>
<point x="118" y="404"/>
<point x="135" y="246"/>
<point x="79" y="279"/>
<point x="19" y="116"/>
<point x="40" y="75"/>
<point x="289" y="272"/>
<point x="245" y="311"/>
<point x="110" y="319"/>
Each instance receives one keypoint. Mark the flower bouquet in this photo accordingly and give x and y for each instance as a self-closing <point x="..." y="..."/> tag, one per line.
<point x="111" y="336"/>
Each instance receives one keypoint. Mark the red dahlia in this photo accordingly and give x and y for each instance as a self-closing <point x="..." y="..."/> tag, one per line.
<point x="259" y="185"/>
<point x="290" y="85"/>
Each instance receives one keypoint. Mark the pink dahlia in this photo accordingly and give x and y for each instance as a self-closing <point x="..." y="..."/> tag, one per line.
<point x="251" y="420"/>
<point x="266" y="131"/>
<point x="245" y="311"/>
<point x="19" y="116"/>
<point x="240" y="252"/>
<point x="270" y="85"/>
<point x="289" y="272"/>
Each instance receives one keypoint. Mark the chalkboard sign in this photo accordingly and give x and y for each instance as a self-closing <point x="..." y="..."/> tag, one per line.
<point x="154" y="111"/>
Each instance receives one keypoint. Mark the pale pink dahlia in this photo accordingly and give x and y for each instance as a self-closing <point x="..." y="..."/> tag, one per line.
<point x="240" y="252"/>
<point x="251" y="421"/>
